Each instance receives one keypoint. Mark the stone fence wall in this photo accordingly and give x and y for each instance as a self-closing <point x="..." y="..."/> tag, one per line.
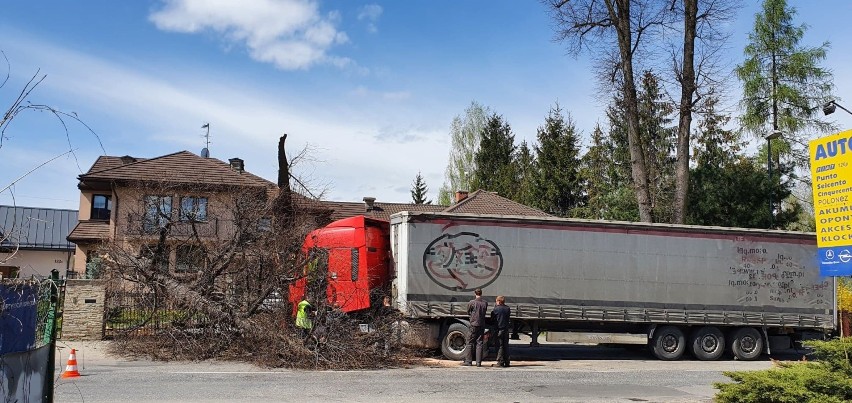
<point x="83" y="313"/>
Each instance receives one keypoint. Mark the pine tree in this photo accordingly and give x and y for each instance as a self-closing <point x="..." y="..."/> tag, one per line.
<point x="558" y="184"/>
<point x="419" y="191"/>
<point x="494" y="169"/>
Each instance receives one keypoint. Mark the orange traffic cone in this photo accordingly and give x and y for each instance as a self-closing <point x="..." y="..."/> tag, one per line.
<point x="71" y="368"/>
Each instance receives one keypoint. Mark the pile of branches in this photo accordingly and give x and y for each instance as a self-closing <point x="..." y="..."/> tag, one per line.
<point x="337" y="341"/>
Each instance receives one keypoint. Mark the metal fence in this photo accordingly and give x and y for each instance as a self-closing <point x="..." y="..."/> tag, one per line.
<point x="28" y="326"/>
<point x="130" y="313"/>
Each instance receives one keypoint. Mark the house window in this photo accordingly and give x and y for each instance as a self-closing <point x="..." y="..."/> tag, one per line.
<point x="160" y="261"/>
<point x="158" y="212"/>
<point x="193" y="208"/>
<point x="101" y="207"/>
<point x="189" y="259"/>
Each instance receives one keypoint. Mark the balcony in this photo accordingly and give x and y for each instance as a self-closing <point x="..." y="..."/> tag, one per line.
<point x="209" y="228"/>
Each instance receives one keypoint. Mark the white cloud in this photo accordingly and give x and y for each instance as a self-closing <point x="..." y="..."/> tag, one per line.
<point x="291" y="34"/>
<point x="159" y="110"/>
<point x="364" y="92"/>
<point x="371" y="14"/>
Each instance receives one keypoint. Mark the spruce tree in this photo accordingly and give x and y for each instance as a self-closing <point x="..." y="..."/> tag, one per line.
<point x="558" y="183"/>
<point x="419" y="191"/>
<point x="596" y="171"/>
<point x="658" y="137"/>
<point x="494" y="169"/>
<point x="526" y="171"/>
<point x="606" y="167"/>
<point x="721" y="174"/>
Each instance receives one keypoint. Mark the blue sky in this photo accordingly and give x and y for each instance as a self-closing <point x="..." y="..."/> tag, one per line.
<point x="371" y="87"/>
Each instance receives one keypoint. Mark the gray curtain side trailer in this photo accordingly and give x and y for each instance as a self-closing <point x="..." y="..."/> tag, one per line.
<point x="676" y="288"/>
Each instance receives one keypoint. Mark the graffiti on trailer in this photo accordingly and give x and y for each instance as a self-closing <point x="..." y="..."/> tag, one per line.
<point x="463" y="261"/>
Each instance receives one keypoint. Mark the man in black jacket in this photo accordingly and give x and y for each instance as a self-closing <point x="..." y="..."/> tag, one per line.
<point x="500" y="318"/>
<point x="476" y="308"/>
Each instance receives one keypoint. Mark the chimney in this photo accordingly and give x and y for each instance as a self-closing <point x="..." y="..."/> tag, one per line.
<point x="461" y="195"/>
<point x="237" y="164"/>
<point x="368" y="201"/>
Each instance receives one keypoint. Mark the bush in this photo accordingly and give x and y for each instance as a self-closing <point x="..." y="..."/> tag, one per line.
<point x="829" y="379"/>
<point x="835" y="354"/>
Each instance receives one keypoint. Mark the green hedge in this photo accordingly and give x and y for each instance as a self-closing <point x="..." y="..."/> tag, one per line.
<point x="826" y="380"/>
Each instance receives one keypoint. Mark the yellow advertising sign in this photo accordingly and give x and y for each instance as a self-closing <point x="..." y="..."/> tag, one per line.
<point x="831" y="172"/>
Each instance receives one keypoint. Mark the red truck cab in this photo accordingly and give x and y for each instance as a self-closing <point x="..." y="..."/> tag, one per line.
<point x="357" y="250"/>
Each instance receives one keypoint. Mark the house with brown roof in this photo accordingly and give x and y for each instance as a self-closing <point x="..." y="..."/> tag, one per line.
<point x="132" y="197"/>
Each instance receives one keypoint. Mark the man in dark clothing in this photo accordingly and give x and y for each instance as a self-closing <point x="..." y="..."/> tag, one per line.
<point x="476" y="308"/>
<point x="500" y="318"/>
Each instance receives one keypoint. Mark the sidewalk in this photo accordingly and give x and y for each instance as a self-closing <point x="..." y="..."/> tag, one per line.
<point x="95" y="352"/>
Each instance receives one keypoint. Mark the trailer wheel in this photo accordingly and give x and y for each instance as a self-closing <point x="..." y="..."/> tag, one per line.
<point x="455" y="341"/>
<point x="747" y="344"/>
<point x="669" y="343"/>
<point x="708" y="343"/>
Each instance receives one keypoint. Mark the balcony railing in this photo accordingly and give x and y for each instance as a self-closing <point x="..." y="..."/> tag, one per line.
<point x="141" y="227"/>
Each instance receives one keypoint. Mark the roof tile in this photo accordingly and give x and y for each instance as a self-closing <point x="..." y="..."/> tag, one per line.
<point x="478" y="202"/>
<point x="485" y="202"/>
<point x="94" y="230"/>
<point x="179" y="167"/>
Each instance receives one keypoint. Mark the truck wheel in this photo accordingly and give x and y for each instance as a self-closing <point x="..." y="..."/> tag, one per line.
<point x="669" y="343"/>
<point x="455" y="341"/>
<point x="708" y="343"/>
<point x="747" y="344"/>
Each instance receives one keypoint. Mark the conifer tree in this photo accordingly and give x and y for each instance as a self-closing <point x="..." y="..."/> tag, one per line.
<point x="526" y="171"/>
<point x="558" y="184"/>
<point x="494" y="169"/>
<point x="658" y="137"/>
<point x="721" y="174"/>
<point x="419" y="191"/>
<point x="597" y="172"/>
<point x="784" y="85"/>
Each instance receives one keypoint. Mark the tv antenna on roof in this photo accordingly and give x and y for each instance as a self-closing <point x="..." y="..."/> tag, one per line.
<point x="206" y="151"/>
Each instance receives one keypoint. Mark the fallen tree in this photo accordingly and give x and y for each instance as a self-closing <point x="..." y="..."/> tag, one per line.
<point x="213" y="284"/>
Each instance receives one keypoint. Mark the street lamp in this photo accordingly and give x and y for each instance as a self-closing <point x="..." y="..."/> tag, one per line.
<point x="771" y="136"/>
<point x="831" y="106"/>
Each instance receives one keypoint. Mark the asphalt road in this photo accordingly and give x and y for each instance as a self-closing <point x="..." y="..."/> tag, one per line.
<point x="550" y="373"/>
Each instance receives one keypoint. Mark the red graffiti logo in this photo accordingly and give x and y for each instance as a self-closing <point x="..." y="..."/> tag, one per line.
<point x="463" y="261"/>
